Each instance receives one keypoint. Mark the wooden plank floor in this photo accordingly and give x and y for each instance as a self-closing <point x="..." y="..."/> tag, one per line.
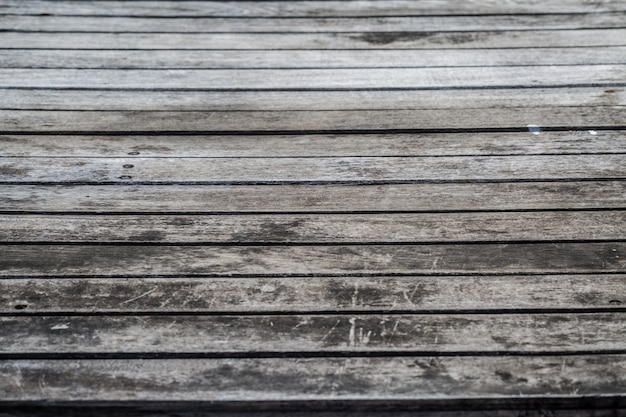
<point x="373" y="208"/>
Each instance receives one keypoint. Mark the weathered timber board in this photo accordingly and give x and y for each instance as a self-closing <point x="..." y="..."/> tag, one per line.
<point x="211" y="146"/>
<point x="420" y="24"/>
<point x="354" y="40"/>
<point x="503" y="294"/>
<point x="241" y="122"/>
<point x="311" y="170"/>
<point x="407" y="378"/>
<point x="316" y="79"/>
<point x="206" y="59"/>
<point x="314" y="198"/>
<point x="300" y="8"/>
<point x="321" y="228"/>
<point x="276" y="260"/>
<point x="307" y="334"/>
<point x="556" y="97"/>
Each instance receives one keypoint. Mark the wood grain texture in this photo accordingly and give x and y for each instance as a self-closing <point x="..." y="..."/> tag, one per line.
<point x="356" y="40"/>
<point x="307" y="170"/>
<point x="311" y="260"/>
<point x="211" y="146"/>
<point x="493" y="99"/>
<point x="370" y="121"/>
<point x="317" y="79"/>
<point x="301" y="8"/>
<point x="314" y="198"/>
<point x="386" y="294"/>
<point x="420" y="24"/>
<point x="314" y="379"/>
<point x="207" y="59"/>
<point x="327" y="228"/>
<point x="206" y="335"/>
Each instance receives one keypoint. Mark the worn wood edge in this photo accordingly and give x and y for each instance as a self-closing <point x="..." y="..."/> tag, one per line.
<point x="310" y="122"/>
<point x="310" y="100"/>
<point x="310" y="335"/>
<point x="445" y="378"/>
<point x="355" y="295"/>
<point x="274" y="260"/>
<point x="356" y="40"/>
<point x="324" y="228"/>
<point x="306" y="8"/>
<point x="450" y="144"/>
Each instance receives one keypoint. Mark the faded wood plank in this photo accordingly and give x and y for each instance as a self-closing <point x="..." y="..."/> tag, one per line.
<point x="272" y="260"/>
<point x="313" y="79"/>
<point x="211" y="146"/>
<point x="301" y="8"/>
<point x="423" y="24"/>
<point x="206" y="59"/>
<point x="327" y="228"/>
<point x="443" y="333"/>
<point x="410" y="378"/>
<point x="318" y="294"/>
<point x="311" y="170"/>
<point x="366" y="121"/>
<point x="357" y="40"/>
<point x="313" y="100"/>
<point x="314" y="199"/>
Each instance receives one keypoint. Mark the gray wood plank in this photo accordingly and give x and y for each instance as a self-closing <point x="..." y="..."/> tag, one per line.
<point x="48" y="99"/>
<point x="273" y="260"/>
<point x="314" y="199"/>
<point x="300" y="8"/>
<point x="443" y="333"/>
<point x="311" y="170"/>
<point x="422" y="24"/>
<point x="410" y="378"/>
<point x="307" y="295"/>
<point x="211" y="146"/>
<point x="356" y="40"/>
<point x="355" y="121"/>
<point x="206" y="59"/>
<point x="327" y="228"/>
<point x="302" y="79"/>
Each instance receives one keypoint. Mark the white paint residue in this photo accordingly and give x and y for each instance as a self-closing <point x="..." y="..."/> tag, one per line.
<point x="534" y="129"/>
<point x="593" y="132"/>
<point x="62" y="326"/>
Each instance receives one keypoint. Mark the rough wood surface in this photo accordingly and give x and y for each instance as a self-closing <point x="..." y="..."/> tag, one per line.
<point x="385" y="294"/>
<point x="314" y="198"/>
<point x="321" y="228"/>
<point x="408" y="378"/>
<point x="311" y="260"/>
<point x="207" y="59"/>
<point x="355" y="40"/>
<point x="206" y="335"/>
<point x="306" y="170"/>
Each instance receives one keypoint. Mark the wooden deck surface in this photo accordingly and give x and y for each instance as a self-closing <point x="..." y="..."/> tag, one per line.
<point x="373" y="208"/>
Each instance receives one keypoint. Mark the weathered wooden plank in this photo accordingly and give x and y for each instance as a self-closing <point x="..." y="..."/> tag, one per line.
<point x="50" y="99"/>
<point x="274" y="260"/>
<point x="319" y="294"/>
<point x="326" y="228"/>
<point x="443" y="333"/>
<point x="311" y="170"/>
<point x="410" y="378"/>
<point x="315" y="79"/>
<point x="207" y="59"/>
<point x="352" y="121"/>
<point x="300" y="8"/>
<point x="424" y="24"/>
<point x="357" y="40"/>
<point x="314" y="198"/>
<point x="211" y="146"/>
